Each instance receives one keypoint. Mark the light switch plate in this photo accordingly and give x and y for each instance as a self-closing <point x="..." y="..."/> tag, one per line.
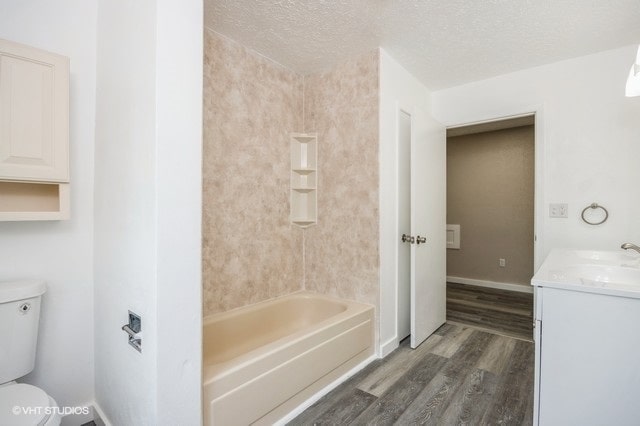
<point x="559" y="210"/>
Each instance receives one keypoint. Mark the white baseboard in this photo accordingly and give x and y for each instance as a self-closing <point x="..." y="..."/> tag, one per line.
<point x="331" y="386"/>
<point x="522" y="288"/>
<point x="99" y="417"/>
<point x="389" y="346"/>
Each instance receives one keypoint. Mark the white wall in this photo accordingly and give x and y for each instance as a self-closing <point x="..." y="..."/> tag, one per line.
<point x="147" y="222"/>
<point x="60" y="252"/>
<point x="398" y="88"/>
<point x="591" y="140"/>
<point x="179" y="210"/>
<point x="125" y="210"/>
<point x="147" y="203"/>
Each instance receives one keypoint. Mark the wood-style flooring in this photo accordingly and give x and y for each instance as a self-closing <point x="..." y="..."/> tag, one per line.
<point x="505" y="312"/>
<point x="459" y="375"/>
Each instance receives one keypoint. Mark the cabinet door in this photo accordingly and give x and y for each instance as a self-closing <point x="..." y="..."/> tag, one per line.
<point x="34" y="114"/>
<point x="589" y="368"/>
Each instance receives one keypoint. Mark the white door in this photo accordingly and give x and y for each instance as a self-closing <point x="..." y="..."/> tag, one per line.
<point x="404" y="224"/>
<point x="428" y="222"/>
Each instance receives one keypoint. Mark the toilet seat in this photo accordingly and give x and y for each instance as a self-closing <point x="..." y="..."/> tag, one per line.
<point x="26" y="405"/>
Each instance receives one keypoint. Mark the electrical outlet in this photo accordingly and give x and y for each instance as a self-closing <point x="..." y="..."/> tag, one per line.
<point x="502" y="263"/>
<point x="558" y="210"/>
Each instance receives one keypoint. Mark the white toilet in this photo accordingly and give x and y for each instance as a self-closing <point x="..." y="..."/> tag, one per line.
<point x="22" y="404"/>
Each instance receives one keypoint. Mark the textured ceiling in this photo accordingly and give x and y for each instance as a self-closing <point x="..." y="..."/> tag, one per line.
<point x="442" y="42"/>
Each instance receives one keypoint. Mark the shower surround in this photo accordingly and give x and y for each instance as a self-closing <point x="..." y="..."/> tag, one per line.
<point x="251" y="252"/>
<point x="342" y="256"/>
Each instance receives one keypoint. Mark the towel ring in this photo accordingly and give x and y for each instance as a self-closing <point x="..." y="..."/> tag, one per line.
<point x="595" y="206"/>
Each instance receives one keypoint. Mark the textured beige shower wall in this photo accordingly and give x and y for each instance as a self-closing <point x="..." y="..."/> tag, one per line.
<point x="342" y="249"/>
<point x="250" y="251"/>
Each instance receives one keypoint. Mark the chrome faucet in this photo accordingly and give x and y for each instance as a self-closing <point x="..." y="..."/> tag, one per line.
<point x="627" y="246"/>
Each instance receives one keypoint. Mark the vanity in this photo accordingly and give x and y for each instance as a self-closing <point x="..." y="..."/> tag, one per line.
<point x="587" y="338"/>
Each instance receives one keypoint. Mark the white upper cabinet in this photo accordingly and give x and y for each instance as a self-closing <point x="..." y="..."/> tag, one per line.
<point x="34" y="114"/>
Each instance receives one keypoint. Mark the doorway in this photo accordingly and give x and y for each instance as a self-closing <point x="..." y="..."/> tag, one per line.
<point x="491" y="225"/>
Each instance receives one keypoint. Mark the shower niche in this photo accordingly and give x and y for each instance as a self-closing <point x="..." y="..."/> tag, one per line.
<point x="304" y="179"/>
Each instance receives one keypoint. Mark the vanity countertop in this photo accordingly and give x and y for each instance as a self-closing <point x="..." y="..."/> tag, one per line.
<point x="615" y="273"/>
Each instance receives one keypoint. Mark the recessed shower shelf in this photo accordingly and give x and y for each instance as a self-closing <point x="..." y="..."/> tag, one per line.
<point x="303" y="171"/>
<point x="301" y="137"/>
<point x="303" y="189"/>
<point x="303" y="222"/>
<point x="304" y="179"/>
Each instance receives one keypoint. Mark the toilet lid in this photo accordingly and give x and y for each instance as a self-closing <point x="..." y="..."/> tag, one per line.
<point x="23" y="404"/>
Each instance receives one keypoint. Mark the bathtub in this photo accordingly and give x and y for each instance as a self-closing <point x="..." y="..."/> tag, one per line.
<point x="262" y="361"/>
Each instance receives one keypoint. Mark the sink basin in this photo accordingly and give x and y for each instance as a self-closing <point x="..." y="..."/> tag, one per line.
<point x="605" y="274"/>
<point x="607" y="257"/>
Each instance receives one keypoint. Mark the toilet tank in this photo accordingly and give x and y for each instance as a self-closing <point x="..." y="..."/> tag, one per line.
<point x="19" y="315"/>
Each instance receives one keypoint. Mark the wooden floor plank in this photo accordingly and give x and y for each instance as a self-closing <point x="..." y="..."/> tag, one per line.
<point x="503" y="333"/>
<point x="449" y="346"/>
<point x="444" y="329"/>
<point x="474" y="292"/>
<point x="485" y="379"/>
<point x="391" y="405"/>
<point x="468" y="354"/>
<point x="497" y="354"/>
<point x="513" y="399"/>
<point x="507" y="312"/>
<point x="471" y="399"/>
<point x="334" y="397"/>
<point x="427" y="407"/>
<point x="489" y="317"/>
<point x="347" y="409"/>
<point x="396" y="365"/>
<point x="526" y="311"/>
